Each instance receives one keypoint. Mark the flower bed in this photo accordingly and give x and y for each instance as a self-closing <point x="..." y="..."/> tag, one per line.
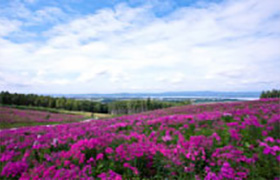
<point x="216" y="141"/>
<point x="12" y="117"/>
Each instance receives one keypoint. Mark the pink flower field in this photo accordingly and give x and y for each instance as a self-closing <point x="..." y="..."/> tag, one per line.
<point x="16" y="117"/>
<point x="238" y="140"/>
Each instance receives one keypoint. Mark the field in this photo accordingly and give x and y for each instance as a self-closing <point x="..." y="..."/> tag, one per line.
<point x="51" y="110"/>
<point x="12" y="117"/>
<point x="237" y="140"/>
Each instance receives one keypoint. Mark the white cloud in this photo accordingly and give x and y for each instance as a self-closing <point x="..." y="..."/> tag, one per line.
<point x="8" y="26"/>
<point x="47" y="14"/>
<point x="91" y="75"/>
<point x="232" y="45"/>
<point x="17" y="10"/>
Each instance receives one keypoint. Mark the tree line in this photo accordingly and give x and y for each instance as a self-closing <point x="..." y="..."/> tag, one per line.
<point x="137" y="106"/>
<point x="52" y="102"/>
<point x="116" y="107"/>
<point x="271" y="94"/>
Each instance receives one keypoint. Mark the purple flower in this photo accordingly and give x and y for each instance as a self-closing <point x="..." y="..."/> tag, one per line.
<point x="216" y="136"/>
<point x="134" y="169"/>
<point x="211" y="176"/>
<point x="269" y="139"/>
<point x="102" y="176"/>
<point x="114" y="176"/>
<point x="227" y="171"/>
<point x="264" y="133"/>
<point x="234" y="134"/>
<point x="14" y="168"/>
<point x="99" y="156"/>
<point x="278" y="158"/>
<point x="109" y="150"/>
<point x="166" y="138"/>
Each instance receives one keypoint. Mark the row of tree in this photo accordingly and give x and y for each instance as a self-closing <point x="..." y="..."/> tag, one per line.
<point x="52" y="102"/>
<point x="137" y="106"/>
<point x="116" y="107"/>
<point x="271" y="94"/>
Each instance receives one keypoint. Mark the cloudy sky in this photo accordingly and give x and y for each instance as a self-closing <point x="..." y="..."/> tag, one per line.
<point x="94" y="46"/>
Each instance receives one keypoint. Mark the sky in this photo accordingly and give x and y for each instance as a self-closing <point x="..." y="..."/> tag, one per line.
<point x="111" y="46"/>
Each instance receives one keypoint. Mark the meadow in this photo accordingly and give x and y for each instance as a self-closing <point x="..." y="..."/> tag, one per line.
<point x="13" y="117"/>
<point x="237" y="140"/>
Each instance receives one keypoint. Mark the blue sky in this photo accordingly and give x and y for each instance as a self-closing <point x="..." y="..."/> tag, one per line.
<point x="90" y="46"/>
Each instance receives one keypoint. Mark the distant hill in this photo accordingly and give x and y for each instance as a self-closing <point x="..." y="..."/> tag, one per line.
<point x="182" y="94"/>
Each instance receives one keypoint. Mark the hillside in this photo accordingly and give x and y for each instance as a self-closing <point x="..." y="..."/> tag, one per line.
<point x="14" y="117"/>
<point x="237" y="140"/>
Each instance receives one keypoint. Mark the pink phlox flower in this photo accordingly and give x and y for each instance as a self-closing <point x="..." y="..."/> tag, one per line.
<point x="263" y="144"/>
<point x="278" y="158"/>
<point x="114" y="176"/>
<point x="276" y="148"/>
<point x="234" y="134"/>
<point x="269" y="150"/>
<point x="216" y="136"/>
<point x="197" y="177"/>
<point x="99" y="156"/>
<point x="242" y="175"/>
<point x="109" y="150"/>
<point x="8" y="155"/>
<point x="227" y="114"/>
<point x="166" y="138"/>
<point x="232" y="124"/>
<point x="90" y="160"/>
<point x="67" y="163"/>
<point x="269" y="139"/>
<point x="103" y="176"/>
<point x="14" y="168"/>
<point x="127" y="165"/>
<point x="186" y="126"/>
<point x="210" y="175"/>
<point x="134" y="169"/>
<point x="227" y="171"/>
<point x="54" y="142"/>
<point x="264" y="133"/>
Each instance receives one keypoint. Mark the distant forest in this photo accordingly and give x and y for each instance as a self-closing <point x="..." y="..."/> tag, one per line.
<point x="51" y="102"/>
<point x="271" y="94"/>
<point x="116" y="107"/>
<point x="137" y="106"/>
